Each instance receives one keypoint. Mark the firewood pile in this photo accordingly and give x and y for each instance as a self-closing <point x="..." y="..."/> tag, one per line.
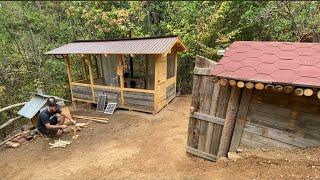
<point x="21" y="137"/>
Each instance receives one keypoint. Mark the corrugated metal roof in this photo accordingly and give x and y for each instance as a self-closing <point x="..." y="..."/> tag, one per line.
<point x="153" y="45"/>
<point x="272" y="62"/>
<point x="36" y="103"/>
<point x="33" y="106"/>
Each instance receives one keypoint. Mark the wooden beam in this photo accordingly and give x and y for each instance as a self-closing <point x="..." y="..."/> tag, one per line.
<point x="215" y="79"/>
<point x="240" y="84"/>
<point x="269" y="87"/>
<point x="91" y="119"/>
<point x="223" y="82"/>
<point x="278" y="88"/>
<point x="202" y="71"/>
<point x="232" y="82"/>
<point x="288" y="89"/>
<point x="259" y="86"/>
<point x="89" y="63"/>
<point x="67" y="59"/>
<point x="121" y="64"/>
<point x="249" y="85"/>
<point x="241" y="119"/>
<point x="230" y="121"/>
<point x="208" y="118"/>
<point x="298" y="92"/>
<point x="308" y="92"/>
<point x="101" y="67"/>
<point x="12" y="106"/>
<point x="213" y="110"/>
<point x="201" y="154"/>
<point x="9" y="122"/>
<point x="318" y="94"/>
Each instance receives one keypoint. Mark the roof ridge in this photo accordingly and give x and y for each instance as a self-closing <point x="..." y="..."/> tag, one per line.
<point x="124" y="39"/>
<point x="283" y="42"/>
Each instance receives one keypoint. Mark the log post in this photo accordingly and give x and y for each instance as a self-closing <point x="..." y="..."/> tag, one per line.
<point x="89" y="63"/>
<point x="249" y="85"/>
<point x="298" y="92"/>
<point x="318" y="94"/>
<point x="223" y="82"/>
<point x="259" y="86"/>
<point x="232" y="82"/>
<point x="67" y="59"/>
<point x="121" y="65"/>
<point x="215" y="79"/>
<point x="288" y="89"/>
<point x="308" y="92"/>
<point x="269" y="87"/>
<point x="278" y="88"/>
<point x="240" y="84"/>
<point x="230" y="121"/>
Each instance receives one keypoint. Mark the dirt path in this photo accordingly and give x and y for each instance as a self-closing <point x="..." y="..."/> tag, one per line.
<point x="137" y="145"/>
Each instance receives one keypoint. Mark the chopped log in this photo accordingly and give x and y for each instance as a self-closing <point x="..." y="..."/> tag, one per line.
<point x="232" y="82"/>
<point x="9" y="122"/>
<point x="12" y="106"/>
<point x="230" y="121"/>
<point x="298" y="92"/>
<point x="240" y="84"/>
<point x="318" y="95"/>
<point x="223" y="82"/>
<point x="249" y="85"/>
<point x="215" y="79"/>
<point x="269" y="87"/>
<point x="308" y="92"/>
<point x="288" y="89"/>
<point x="278" y="88"/>
<point x="259" y="86"/>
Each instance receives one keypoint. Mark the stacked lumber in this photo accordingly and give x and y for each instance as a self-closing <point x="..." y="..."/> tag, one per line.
<point x="95" y="119"/>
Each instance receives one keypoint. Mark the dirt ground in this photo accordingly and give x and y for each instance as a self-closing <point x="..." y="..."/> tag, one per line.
<point x="136" y="145"/>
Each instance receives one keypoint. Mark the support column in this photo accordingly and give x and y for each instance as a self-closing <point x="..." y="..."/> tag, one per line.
<point x="89" y="63"/>
<point x="66" y="57"/>
<point x="120" y="73"/>
<point x="230" y="121"/>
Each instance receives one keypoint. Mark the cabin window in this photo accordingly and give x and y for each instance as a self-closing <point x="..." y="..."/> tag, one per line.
<point x="170" y="66"/>
<point x="110" y="64"/>
<point x="78" y="68"/>
<point x="139" y="72"/>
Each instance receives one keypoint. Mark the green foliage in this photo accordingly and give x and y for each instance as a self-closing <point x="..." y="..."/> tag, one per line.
<point x="28" y="29"/>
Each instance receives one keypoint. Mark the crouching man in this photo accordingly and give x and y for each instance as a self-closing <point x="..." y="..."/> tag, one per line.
<point x="51" y="120"/>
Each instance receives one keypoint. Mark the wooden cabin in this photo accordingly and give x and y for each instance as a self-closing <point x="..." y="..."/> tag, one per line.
<point x="259" y="95"/>
<point x="137" y="73"/>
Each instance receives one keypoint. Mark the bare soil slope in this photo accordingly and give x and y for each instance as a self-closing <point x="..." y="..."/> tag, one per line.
<point x="136" y="145"/>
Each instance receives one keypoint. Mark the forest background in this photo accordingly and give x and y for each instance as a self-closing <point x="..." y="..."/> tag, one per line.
<point x="29" y="29"/>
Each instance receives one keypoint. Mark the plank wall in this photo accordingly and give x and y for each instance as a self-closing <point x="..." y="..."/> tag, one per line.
<point x="278" y="121"/>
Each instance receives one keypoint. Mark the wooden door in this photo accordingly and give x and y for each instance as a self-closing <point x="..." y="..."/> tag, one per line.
<point x="160" y="81"/>
<point x="206" y="120"/>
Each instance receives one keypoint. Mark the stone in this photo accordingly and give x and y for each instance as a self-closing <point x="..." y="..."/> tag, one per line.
<point x="233" y="156"/>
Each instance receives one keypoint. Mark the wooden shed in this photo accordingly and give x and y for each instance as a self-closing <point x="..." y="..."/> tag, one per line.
<point x="260" y="95"/>
<point x="137" y="73"/>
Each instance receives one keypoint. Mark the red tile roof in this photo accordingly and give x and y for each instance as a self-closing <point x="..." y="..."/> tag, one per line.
<point x="271" y="62"/>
